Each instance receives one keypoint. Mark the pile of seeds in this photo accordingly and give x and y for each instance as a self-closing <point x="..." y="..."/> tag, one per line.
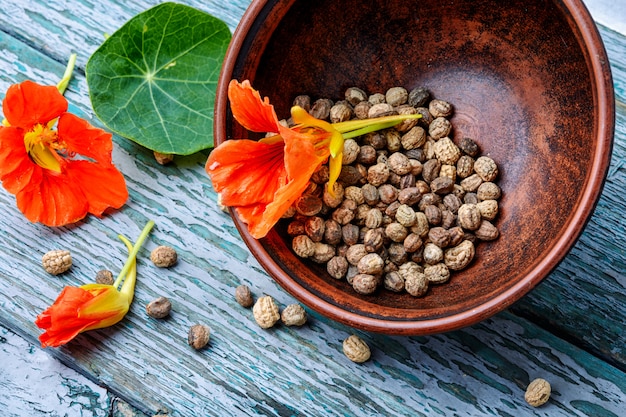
<point x="409" y="205"/>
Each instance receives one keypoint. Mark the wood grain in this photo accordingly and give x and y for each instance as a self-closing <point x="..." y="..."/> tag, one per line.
<point x="480" y="370"/>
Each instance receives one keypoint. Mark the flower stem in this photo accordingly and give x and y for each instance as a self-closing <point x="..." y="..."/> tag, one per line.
<point x="350" y="125"/>
<point x="132" y="253"/>
<point x="69" y="69"/>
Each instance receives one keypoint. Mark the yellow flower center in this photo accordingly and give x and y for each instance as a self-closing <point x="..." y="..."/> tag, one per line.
<point x="41" y="143"/>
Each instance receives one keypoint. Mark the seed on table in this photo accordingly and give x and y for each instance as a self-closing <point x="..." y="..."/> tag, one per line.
<point x="396" y="96"/>
<point x="448" y="171"/>
<point x="371" y="264"/>
<point x="265" y="312"/>
<point x="163" y="158"/>
<point x="426" y="118"/>
<point x="409" y="196"/>
<point x="198" y="336"/>
<point x="159" y="308"/>
<point x="104" y="276"/>
<point x="538" y="392"/>
<point x="469" y="146"/>
<point x="243" y="295"/>
<point x="471" y="183"/>
<point x="356" y="349"/>
<point x="57" y="261"/>
<point x="293" y="315"/>
<point x="164" y="256"/>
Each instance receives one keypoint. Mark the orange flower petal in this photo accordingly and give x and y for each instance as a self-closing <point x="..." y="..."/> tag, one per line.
<point x="53" y="200"/>
<point x="102" y="186"/>
<point x="84" y="139"/>
<point x="16" y="168"/>
<point x="60" y="321"/>
<point x="28" y="103"/>
<point x="249" y="109"/>
<point x="301" y="161"/>
<point x="246" y="172"/>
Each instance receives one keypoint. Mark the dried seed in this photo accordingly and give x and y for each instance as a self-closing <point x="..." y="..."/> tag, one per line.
<point x="439" y="108"/>
<point x="243" y="295"/>
<point x="159" y="308"/>
<point x="365" y="283"/>
<point x="356" y="349"/>
<point x="337" y="267"/>
<point x="418" y="97"/>
<point x="198" y="336"/>
<point x="104" y="276"/>
<point x="440" y="127"/>
<point x="460" y="256"/>
<point x="486" y="168"/>
<point x="469" y="217"/>
<point x="355" y="95"/>
<point x="56" y="262"/>
<point x="293" y="315"/>
<point x="538" y="392"/>
<point x="164" y="256"/>
<point x="265" y="312"/>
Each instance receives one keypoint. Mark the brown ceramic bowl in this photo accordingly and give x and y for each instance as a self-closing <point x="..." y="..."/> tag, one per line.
<point x="529" y="81"/>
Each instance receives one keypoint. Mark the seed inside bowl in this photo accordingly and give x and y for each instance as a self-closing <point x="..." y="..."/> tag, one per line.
<point x="410" y="204"/>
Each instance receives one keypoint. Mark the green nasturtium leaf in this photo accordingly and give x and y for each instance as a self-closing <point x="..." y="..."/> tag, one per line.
<point x="153" y="81"/>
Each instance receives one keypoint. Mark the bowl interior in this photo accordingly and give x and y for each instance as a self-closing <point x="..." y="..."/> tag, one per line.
<point x="523" y="86"/>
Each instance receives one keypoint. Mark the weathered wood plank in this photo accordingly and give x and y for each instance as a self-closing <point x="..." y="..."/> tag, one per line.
<point x="477" y="371"/>
<point x="34" y="384"/>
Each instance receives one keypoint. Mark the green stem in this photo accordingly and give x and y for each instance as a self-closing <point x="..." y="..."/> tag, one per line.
<point x="344" y="127"/>
<point x="128" y="288"/>
<point x="69" y="69"/>
<point x="367" y="129"/>
<point x="132" y="254"/>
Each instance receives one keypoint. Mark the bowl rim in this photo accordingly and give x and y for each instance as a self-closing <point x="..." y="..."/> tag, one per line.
<point x="599" y="68"/>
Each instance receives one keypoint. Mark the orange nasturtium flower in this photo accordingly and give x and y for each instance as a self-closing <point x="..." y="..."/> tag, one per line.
<point x="262" y="179"/>
<point x="58" y="166"/>
<point x="91" y="306"/>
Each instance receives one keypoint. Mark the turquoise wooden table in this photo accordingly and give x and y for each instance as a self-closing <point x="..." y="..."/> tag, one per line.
<point x="569" y="330"/>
